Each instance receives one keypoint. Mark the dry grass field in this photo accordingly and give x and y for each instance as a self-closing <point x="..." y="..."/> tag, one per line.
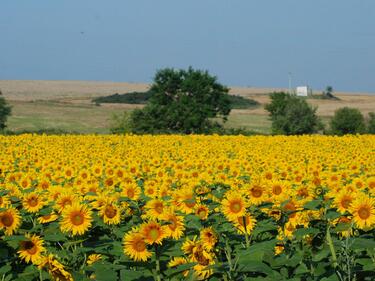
<point x="67" y="105"/>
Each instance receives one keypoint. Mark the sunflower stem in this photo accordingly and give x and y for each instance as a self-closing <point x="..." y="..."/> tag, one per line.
<point x="157" y="257"/>
<point x="331" y="248"/>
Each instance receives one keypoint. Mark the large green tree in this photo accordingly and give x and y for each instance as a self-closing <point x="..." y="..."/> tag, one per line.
<point x="292" y="115"/>
<point x="184" y="101"/>
<point x="5" y="111"/>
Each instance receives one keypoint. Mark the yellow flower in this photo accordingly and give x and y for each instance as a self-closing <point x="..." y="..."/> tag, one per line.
<point x="48" y="218"/>
<point x="135" y="246"/>
<point x="234" y="206"/>
<point x="245" y="224"/>
<point x="76" y="219"/>
<point x="93" y="258"/>
<point x="10" y="220"/>
<point x="152" y="232"/>
<point x="31" y="248"/>
<point x="110" y="213"/>
<point x="32" y="202"/>
<point x="208" y="238"/>
<point x="175" y="225"/>
<point x="363" y="211"/>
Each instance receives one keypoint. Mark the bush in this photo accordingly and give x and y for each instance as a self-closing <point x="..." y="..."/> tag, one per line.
<point x="371" y="123"/>
<point x="347" y="121"/>
<point x="184" y="101"/>
<point x="120" y="124"/>
<point x="5" y="111"/>
<point x="291" y="115"/>
<point x="237" y="102"/>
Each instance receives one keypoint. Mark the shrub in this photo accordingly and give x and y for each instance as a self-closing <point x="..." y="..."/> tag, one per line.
<point x="347" y="121"/>
<point x="371" y="123"/>
<point x="120" y="123"/>
<point x="5" y="111"/>
<point x="291" y="115"/>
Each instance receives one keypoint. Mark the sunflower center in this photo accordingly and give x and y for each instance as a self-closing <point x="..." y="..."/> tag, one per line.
<point x="77" y="218"/>
<point x="139" y="246"/>
<point x="236" y="207"/>
<point x="110" y="212"/>
<point x="1" y="200"/>
<point x="154" y="234"/>
<point x="276" y="189"/>
<point x="47" y="217"/>
<point x="29" y="246"/>
<point x="130" y="193"/>
<point x="7" y="220"/>
<point x="173" y="224"/>
<point x="202" y="213"/>
<point x="256" y="192"/>
<point x="33" y="201"/>
<point x="190" y="203"/>
<point x="364" y="213"/>
<point x="346" y="202"/>
<point x="159" y="208"/>
<point x="243" y="221"/>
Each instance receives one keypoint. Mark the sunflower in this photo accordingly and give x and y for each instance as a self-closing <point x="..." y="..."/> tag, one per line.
<point x="48" y="218"/>
<point x="257" y="194"/>
<point x="155" y="208"/>
<point x="176" y="261"/>
<point x="110" y="213"/>
<point x="10" y="220"/>
<point x="202" y="211"/>
<point x="135" y="246"/>
<point x="152" y="232"/>
<point x="76" y="219"/>
<point x="93" y="258"/>
<point x="245" y="224"/>
<point x="175" y="225"/>
<point x="132" y="191"/>
<point x="55" y="268"/>
<point x="233" y="206"/>
<point x="31" y="248"/>
<point x="189" y="245"/>
<point x="64" y="200"/>
<point x="4" y="201"/>
<point x="363" y="211"/>
<point x="343" y="200"/>
<point x="208" y="238"/>
<point x="33" y="202"/>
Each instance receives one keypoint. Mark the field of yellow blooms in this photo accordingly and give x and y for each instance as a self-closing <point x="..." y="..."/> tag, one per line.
<point x="187" y="208"/>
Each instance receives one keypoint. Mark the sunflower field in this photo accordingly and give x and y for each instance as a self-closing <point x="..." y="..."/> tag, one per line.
<point x="187" y="208"/>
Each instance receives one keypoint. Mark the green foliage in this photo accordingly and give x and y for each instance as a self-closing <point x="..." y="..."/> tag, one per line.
<point x="184" y="101"/>
<point x="291" y="115"/>
<point x="5" y="111"/>
<point x="347" y="121"/>
<point x="237" y="102"/>
<point x="120" y="123"/>
<point x="371" y="123"/>
<point x="130" y="98"/>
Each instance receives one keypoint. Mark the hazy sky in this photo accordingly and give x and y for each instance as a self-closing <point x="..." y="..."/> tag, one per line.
<point x="244" y="43"/>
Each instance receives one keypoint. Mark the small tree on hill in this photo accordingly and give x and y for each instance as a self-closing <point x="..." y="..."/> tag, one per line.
<point x="371" y="123"/>
<point x="348" y="121"/>
<point x="291" y="115"/>
<point x="5" y="111"/>
<point x="184" y="101"/>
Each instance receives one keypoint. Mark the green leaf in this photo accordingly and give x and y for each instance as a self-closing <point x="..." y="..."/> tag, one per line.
<point x="5" y="269"/>
<point x="313" y="205"/>
<point x="133" y="275"/>
<point x="301" y="269"/>
<point x="301" y="232"/>
<point x="255" y="266"/>
<point x="331" y="215"/>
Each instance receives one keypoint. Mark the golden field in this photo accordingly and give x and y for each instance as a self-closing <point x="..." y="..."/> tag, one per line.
<point x="187" y="208"/>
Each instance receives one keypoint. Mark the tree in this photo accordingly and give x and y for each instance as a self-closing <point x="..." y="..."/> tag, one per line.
<point x="371" y="123"/>
<point x="184" y="101"/>
<point x="347" y="120"/>
<point x="5" y="111"/>
<point x="291" y="115"/>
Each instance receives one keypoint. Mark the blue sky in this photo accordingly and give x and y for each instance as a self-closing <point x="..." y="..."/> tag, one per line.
<point x="243" y="42"/>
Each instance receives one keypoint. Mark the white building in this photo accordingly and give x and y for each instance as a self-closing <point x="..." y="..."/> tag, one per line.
<point x="302" y="91"/>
